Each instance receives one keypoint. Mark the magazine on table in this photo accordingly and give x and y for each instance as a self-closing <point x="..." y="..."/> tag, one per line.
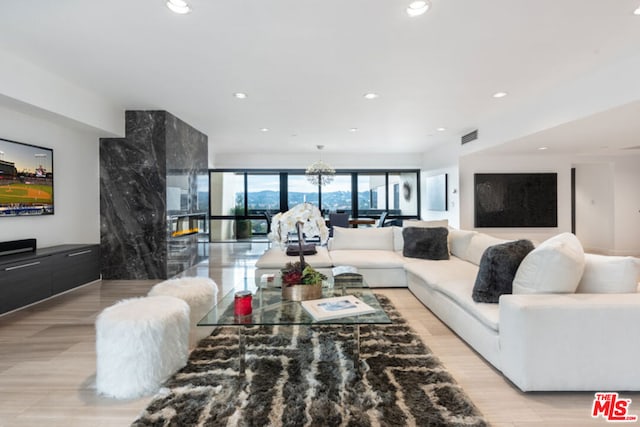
<point x="336" y="307"/>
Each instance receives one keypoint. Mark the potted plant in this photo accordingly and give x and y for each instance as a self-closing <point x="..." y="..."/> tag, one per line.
<point x="301" y="282"/>
<point x="242" y="226"/>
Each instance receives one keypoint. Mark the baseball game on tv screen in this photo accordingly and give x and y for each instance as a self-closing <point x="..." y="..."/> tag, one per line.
<point x="26" y="179"/>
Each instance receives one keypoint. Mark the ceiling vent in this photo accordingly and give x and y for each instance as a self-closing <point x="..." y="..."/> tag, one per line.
<point x="637" y="147"/>
<point x="471" y="136"/>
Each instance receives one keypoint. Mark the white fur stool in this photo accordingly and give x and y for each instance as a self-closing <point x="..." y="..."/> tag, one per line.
<point x="199" y="292"/>
<point x="140" y="342"/>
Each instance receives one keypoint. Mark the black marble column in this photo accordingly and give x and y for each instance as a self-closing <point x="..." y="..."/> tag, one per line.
<point x="159" y="156"/>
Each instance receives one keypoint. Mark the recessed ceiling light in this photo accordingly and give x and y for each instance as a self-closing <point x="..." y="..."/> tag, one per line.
<point x="353" y="130"/>
<point x="417" y="8"/>
<point x="500" y="94"/>
<point x="637" y="11"/>
<point x="441" y="129"/>
<point x="264" y="130"/>
<point x="178" y="6"/>
<point x="543" y="148"/>
<point x="371" y="95"/>
<point x="240" y="95"/>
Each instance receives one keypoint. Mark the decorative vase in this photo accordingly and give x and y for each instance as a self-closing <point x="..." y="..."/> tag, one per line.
<point x="302" y="292"/>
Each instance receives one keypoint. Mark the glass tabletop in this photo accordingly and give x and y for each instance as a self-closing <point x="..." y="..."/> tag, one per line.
<point x="268" y="308"/>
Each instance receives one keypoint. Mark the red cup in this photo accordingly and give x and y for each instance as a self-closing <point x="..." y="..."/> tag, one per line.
<point x="242" y="303"/>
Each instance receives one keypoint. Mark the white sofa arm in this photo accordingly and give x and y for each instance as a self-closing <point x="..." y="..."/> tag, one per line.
<point x="571" y="341"/>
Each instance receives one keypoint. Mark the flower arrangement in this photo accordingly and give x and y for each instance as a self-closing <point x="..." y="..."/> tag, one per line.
<point x="294" y="273"/>
<point x="308" y="215"/>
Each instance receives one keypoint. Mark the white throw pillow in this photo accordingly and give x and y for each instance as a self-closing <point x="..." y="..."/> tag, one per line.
<point x="478" y="244"/>
<point x="398" y="238"/>
<point x="459" y="241"/>
<point x="373" y="238"/>
<point x="609" y="275"/>
<point x="555" y="266"/>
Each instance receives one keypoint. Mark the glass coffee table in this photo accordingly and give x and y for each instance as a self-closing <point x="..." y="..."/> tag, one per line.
<point x="269" y="309"/>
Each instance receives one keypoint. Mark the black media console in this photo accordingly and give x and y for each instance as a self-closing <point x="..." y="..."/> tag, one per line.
<point x="30" y="276"/>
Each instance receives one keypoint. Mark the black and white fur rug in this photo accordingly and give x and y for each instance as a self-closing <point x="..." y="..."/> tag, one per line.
<point x="304" y="376"/>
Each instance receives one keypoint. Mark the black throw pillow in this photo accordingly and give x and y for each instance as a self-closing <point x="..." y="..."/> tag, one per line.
<point x="498" y="267"/>
<point x="426" y="243"/>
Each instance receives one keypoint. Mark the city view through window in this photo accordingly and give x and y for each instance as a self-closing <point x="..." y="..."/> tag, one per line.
<point x="239" y="200"/>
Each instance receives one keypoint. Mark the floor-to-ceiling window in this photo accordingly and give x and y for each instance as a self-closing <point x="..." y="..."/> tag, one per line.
<point x="242" y="201"/>
<point x="371" y="193"/>
<point x="403" y="197"/>
<point x="263" y="199"/>
<point x="300" y="190"/>
<point x="227" y="200"/>
<point x="336" y="196"/>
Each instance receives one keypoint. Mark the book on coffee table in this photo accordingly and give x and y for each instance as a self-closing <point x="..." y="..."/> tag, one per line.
<point x="336" y="307"/>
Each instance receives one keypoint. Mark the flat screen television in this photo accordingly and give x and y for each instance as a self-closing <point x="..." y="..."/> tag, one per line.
<point x="26" y="179"/>
<point x="516" y="199"/>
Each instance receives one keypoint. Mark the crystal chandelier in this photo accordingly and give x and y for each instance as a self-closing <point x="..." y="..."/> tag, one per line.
<point x="320" y="173"/>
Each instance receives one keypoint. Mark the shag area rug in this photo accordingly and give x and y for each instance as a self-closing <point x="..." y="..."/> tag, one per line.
<point x="304" y="376"/>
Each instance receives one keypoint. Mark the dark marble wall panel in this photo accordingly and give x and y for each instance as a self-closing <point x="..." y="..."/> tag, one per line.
<point x="134" y="174"/>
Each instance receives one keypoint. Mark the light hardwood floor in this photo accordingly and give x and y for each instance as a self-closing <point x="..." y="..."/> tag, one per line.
<point x="47" y="357"/>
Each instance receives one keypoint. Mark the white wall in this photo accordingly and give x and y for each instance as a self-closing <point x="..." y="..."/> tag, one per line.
<point x="452" y="214"/>
<point x="76" y="179"/>
<point x="595" y="206"/>
<point x="443" y="159"/>
<point x="609" y="86"/>
<point x="362" y="160"/>
<point x="27" y="83"/>
<point x="626" y="179"/>
<point x="478" y="163"/>
<point x="608" y="204"/>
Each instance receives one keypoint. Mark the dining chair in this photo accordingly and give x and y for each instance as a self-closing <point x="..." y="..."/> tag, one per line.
<point x="338" y="220"/>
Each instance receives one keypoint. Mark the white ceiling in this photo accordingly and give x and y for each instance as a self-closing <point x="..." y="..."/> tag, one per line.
<point x="306" y="64"/>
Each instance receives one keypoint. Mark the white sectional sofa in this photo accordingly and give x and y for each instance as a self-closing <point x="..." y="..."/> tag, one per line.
<point x="545" y="336"/>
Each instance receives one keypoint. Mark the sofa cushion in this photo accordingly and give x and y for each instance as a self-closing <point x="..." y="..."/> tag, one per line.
<point x="426" y="243"/>
<point x="553" y="267"/>
<point x="436" y="273"/>
<point x="609" y="275"/>
<point x="398" y="240"/>
<point x="460" y="292"/>
<point x="478" y="244"/>
<point x="425" y="224"/>
<point x="374" y="238"/>
<point x="367" y="258"/>
<point x="498" y="267"/>
<point x="459" y="241"/>
<point x="277" y="258"/>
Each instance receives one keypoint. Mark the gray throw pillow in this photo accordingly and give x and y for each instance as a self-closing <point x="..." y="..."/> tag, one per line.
<point x="498" y="267"/>
<point x="425" y="243"/>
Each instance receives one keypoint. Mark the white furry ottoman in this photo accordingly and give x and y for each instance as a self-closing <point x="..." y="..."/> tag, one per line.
<point x="199" y="292"/>
<point x="140" y="342"/>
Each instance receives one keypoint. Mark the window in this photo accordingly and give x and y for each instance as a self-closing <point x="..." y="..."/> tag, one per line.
<point x="226" y="198"/>
<point x="299" y="190"/>
<point x="263" y="195"/>
<point x="227" y="193"/>
<point x="337" y="195"/>
<point x="371" y="196"/>
<point x="239" y="199"/>
<point x="403" y="198"/>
